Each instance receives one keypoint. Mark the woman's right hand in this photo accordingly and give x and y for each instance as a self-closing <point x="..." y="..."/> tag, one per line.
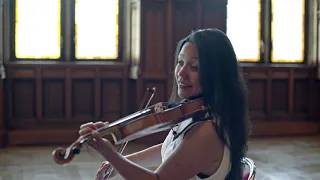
<point x="102" y="172"/>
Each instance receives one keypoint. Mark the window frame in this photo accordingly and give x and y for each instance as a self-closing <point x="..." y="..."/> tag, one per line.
<point x="67" y="53"/>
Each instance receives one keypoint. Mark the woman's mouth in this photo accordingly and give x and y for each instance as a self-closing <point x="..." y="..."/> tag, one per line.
<point x="184" y="86"/>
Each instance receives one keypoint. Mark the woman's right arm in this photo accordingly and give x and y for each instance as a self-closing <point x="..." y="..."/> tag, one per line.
<point x="149" y="158"/>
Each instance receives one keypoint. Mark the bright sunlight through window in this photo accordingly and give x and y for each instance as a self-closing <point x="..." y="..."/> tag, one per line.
<point x="96" y="29"/>
<point x="243" y="28"/>
<point x="37" y="29"/>
<point x="288" y="31"/>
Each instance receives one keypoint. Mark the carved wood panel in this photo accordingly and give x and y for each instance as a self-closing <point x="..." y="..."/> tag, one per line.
<point x="213" y="14"/>
<point x="59" y="98"/>
<point x="111" y="98"/>
<point x="23" y="98"/>
<point x="184" y="19"/>
<point x="82" y="98"/>
<point x="257" y="98"/>
<point x="3" y="131"/>
<point x="53" y="100"/>
<point x="154" y="36"/>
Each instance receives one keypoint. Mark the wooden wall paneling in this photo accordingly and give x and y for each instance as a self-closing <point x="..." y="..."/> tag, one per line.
<point x="38" y="94"/>
<point x="170" y="46"/>
<point x="212" y="14"/>
<point x="302" y="94"/>
<point x="82" y="99"/>
<point x="3" y="130"/>
<point x="269" y="92"/>
<point x="53" y="99"/>
<point x="132" y="98"/>
<point x="257" y="98"/>
<point x="317" y="100"/>
<point x="111" y="100"/>
<point x="152" y="58"/>
<point x="82" y="93"/>
<point x="301" y="97"/>
<point x="24" y="100"/>
<point x="69" y="95"/>
<point x="280" y="98"/>
<point x="257" y="83"/>
<point x="184" y="19"/>
<point x="154" y="37"/>
<point x="287" y="94"/>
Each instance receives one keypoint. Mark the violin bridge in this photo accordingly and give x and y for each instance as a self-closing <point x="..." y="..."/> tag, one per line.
<point x="158" y="108"/>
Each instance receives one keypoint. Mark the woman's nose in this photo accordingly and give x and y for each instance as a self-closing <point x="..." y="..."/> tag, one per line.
<point x="183" y="72"/>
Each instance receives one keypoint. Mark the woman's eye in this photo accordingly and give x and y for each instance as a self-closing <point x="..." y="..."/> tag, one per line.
<point x="180" y="63"/>
<point x="194" y="68"/>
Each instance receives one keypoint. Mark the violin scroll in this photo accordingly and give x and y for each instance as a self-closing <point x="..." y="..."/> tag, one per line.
<point x="64" y="156"/>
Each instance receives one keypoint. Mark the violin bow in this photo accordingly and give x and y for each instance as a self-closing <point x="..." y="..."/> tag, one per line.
<point x="109" y="170"/>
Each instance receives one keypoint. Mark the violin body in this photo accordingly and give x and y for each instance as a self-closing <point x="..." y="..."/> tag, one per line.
<point x="156" y="118"/>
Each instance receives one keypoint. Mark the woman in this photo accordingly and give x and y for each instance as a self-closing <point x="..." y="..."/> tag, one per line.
<point x="205" y="66"/>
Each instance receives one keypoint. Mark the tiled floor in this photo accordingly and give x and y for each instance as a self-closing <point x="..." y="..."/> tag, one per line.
<point x="276" y="159"/>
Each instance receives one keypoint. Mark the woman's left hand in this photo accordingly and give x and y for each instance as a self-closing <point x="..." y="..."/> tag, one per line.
<point x="100" y="144"/>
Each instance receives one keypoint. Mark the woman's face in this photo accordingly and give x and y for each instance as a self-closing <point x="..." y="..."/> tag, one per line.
<point x="186" y="72"/>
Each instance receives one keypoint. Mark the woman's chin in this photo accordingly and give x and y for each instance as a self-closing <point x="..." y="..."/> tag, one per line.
<point x="184" y="95"/>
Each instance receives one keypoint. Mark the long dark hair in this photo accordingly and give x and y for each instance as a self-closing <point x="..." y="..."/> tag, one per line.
<point x="224" y="90"/>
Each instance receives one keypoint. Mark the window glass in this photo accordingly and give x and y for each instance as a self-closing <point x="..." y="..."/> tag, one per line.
<point x="37" y="29"/>
<point x="287" y="31"/>
<point x="96" y="29"/>
<point x="243" y="28"/>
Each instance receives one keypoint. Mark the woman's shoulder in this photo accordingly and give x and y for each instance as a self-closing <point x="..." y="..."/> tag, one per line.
<point x="207" y="127"/>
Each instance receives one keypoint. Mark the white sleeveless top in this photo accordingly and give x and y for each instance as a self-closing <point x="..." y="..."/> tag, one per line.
<point x="170" y="144"/>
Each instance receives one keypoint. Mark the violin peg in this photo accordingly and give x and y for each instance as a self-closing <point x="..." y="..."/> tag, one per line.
<point x="75" y="150"/>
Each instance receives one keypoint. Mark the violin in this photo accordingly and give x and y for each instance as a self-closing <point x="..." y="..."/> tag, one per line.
<point x="151" y="119"/>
